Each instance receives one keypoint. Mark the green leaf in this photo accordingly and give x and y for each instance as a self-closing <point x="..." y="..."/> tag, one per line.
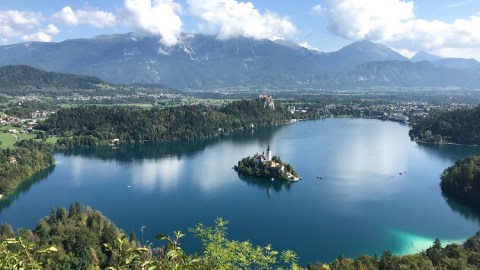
<point x="160" y="237"/>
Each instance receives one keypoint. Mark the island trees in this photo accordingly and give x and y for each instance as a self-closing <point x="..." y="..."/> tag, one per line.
<point x="267" y="169"/>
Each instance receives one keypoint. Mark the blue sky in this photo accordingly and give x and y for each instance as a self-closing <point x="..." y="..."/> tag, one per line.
<point x="446" y="28"/>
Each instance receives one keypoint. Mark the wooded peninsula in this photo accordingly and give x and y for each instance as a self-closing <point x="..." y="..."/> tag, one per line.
<point x="458" y="126"/>
<point x="18" y="164"/>
<point x="462" y="181"/>
<point x="97" y="125"/>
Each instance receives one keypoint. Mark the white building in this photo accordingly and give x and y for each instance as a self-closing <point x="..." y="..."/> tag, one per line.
<point x="269" y="154"/>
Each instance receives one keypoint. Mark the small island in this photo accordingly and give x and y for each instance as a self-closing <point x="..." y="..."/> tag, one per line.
<point x="267" y="167"/>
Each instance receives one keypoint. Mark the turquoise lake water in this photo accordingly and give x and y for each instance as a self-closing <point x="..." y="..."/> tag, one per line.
<point x="380" y="190"/>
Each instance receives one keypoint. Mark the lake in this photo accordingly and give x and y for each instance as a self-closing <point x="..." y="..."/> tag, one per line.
<point x="380" y="190"/>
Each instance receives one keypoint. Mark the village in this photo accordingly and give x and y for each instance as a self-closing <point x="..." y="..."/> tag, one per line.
<point x="14" y="128"/>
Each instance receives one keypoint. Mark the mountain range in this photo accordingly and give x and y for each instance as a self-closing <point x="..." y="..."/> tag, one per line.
<point x="203" y="61"/>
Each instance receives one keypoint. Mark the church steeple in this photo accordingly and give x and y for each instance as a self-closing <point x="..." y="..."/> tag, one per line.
<point x="269" y="153"/>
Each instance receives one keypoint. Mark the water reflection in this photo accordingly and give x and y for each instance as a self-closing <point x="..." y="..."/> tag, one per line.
<point x="268" y="186"/>
<point x="25" y="187"/>
<point x="153" y="174"/>
<point x="369" y="165"/>
<point x="465" y="211"/>
<point x="128" y="153"/>
<point x="449" y="152"/>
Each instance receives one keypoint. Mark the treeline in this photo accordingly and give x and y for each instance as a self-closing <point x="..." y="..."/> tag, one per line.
<point x="462" y="180"/>
<point x="16" y="165"/>
<point x="95" y="125"/>
<point x="82" y="238"/>
<point x="459" y="126"/>
<point x="254" y="167"/>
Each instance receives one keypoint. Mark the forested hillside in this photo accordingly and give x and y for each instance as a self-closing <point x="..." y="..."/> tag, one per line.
<point x="16" y="165"/>
<point x="93" y="125"/>
<point x="459" y="126"/>
<point x="14" y="78"/>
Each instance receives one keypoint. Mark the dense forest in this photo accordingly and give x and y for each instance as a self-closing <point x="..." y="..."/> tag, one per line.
<point x="458" y="126"/>
<point x="254" y="167"/>
<point x="13" y="78"/>
<point x="18" y="164"/>
<point x="95" y="125"/>
<point x="81" y="238"/>
<point x="462" y="180"/>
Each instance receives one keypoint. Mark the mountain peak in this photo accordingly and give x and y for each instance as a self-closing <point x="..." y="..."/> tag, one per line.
<point x="360" y="52"/>
<point x="375" y="51"/>
<point x="423" y="56"/>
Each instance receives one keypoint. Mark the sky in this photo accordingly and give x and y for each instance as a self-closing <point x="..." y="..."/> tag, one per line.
<point x="441" y="27"/>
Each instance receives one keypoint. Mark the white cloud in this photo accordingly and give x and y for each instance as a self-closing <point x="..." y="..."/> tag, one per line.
<point x="93" y="17"/>
<point x="235" y="19"/>
<point x="158" y="17"/>
<point x="318" y="9"/>
<point x="405" y="52"/>
<point x="15" y="23"/>
<point x="393" y="22"/>
<point x="375" y="19"/>
<point x="307" y="45"/>
<point x="44" y="35"/>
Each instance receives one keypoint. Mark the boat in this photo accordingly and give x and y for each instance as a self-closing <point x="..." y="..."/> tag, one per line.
<point x="319" y="177"/>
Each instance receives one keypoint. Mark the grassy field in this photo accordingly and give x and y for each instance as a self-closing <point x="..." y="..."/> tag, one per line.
<point x="52" y="140"/>
<point x="7" y="140"/>
<point x="2" y="128"/>
<point x="26" y="136"/>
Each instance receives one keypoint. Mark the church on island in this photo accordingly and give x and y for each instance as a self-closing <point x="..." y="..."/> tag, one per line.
<point x="267" y="166"/>
<point x="268" y="157"/>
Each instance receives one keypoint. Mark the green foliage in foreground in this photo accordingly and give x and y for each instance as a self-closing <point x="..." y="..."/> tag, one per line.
<point x="251" y="166"/>
<point x="16" y="165"/>
<point x="81" y="238"/>
<point x="459" y="126"/>
<point x="222" y="253"/>
<point x="462" y="180"/>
